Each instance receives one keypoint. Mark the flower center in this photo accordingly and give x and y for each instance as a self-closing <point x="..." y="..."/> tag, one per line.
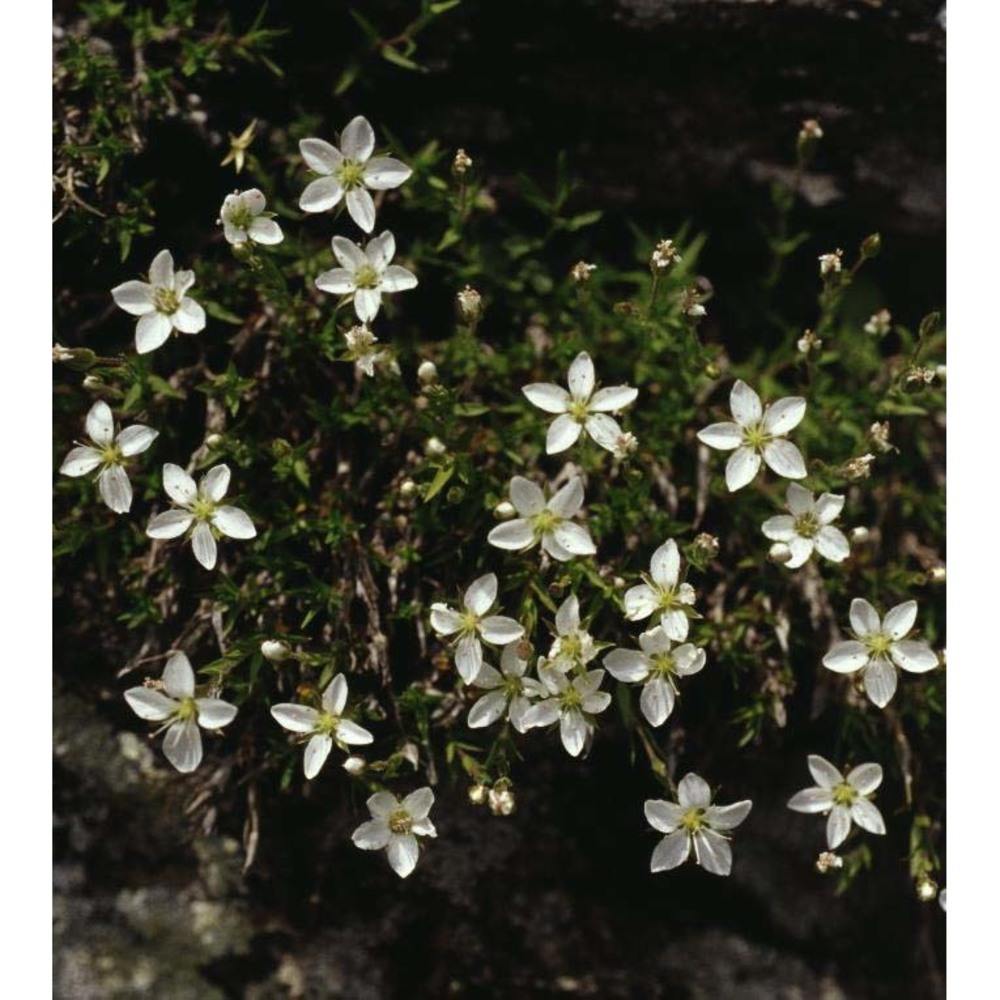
<point x="350" y="173"/>
<point x="844" y="794"/>
<point x="579" y="411"/>
<point x="327" y="723"/>
<point x="545" y="521"/>
<point x="878" y="643"/>
<point x="400" y="821"/>
<point x="241" y="217"/>
<point x="693" y="819"/>
<point x="570" y="698"/>
<point x="187" y="710"/>
<point x="470" y="623"/>
<point x="807" y="525"/>
<point x="203" y="508"/>
<point x="571" y="645"/>
<point x="755" y="437"/>
<point x="663" y="665"/>
<point x="166" y="301"/>
<point x="366" y="277"/>
<point x="111" y="455"/>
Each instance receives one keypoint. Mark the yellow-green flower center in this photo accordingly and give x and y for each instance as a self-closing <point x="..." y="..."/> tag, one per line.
<point x="166" y="301"/>
<point x="755" y="437"/>
<point x="470" y="622"/>
<point x="663" y="664"/>
<point x="327" y="723"/>
<point x="351" y="174"/>
<point x="878" y="644"/>
<point x="203" y="508"/>
<point x="545" y="521"/>
<point x="187" y="710"/>
<point x="241" y="217"/>
<point x="400" y="821"/>
<point x="366" y="277"/>
<point x="570" y="698"/>
<point x="578" y="410"/>
<point x="807" y="525"/>
<point x="111" y="454"/>
<point x="844" y="794"/>
<point x="693" y="819"/>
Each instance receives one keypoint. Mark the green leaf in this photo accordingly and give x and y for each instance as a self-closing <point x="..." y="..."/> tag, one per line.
<point x="440" y="481"/>
<point x="471" y="409"/>
<point x="398" y="59"/>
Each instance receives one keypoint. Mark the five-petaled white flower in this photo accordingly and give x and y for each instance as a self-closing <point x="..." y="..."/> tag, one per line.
<point x="880" y="647"/>
<point x="658" y="666"/>
<point x="663" y="592"/>
<point x="809" y="526"/>
<point x="243" y="218"/>
<point x="472" y="622"/>
<point x="199" y="506"/>
<point x="161" y="304"/>
<point x="581" y="408"/>
<point x="396" y="826"/>
<point x="323" y="725"/>
<point x="692" y="821"/>
<point x="571" y="704"/>
<point x="573" y="646"/>
<point x="845" y="799"/>
<point x="366" y="273"/>
<point x="509" y="692"/>
<point x="180" y="711"/>
<point x="755" y="432"/>
<point x="548" y="523"/>
<point x="108" y="453"/>
<point x="349" y="171"/>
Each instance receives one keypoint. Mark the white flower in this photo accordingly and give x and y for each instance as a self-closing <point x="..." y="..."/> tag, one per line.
<point x="396" y="826"/>
<point x="161" y="305"/>
<point x="845" y="799"/>
<point x="879" y="648"/>
<point x="757" y="432"/>
<point x="509" y="691"/>
<point x="243" y="218"/>
<point x="361" y="349"/>
<point x="323" y="725"/>
<point x="573" y="646"/>
<point x="108" y="453"/>
<point x="199" y="506"/>
<point x="571" y="704"/>
<point x="659" y="666"/>
<point x="548" y="523"/>
<point x="472" y="622"/>
<point x="830" y="263"/>
<point x="879" y="324"/>
<point x="662" y="592"/>
<point x="693" y="821"/>
<point x="349" y="170"/>
<point x="366" y="274"/>
<point x="809" y="526"/>
<point x="581" y="408"/>
<point x="180" y="711"/>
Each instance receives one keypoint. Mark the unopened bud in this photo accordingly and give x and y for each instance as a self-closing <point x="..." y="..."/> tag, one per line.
<point x="79" y="359"/>
<point x="410" y="754"/>
<point x="407" y="488"/>
<point x="937" y="574"/>
<point x="501" y="799"/>
<point x="810" y="131"/>
<point x="355" y="765"/>
<point x="927" y="889"/>
<point x="581" y="271"/>
<point x="478" y="794"/>
<point x="871" y="246"/>
<point x="860" y="534"/>
<point x="828" y="861"/>
<point x="275" y="650"/>
<point x="780" y="553"/>
<point x="92" y="383"/>
<point x="461" y="163"/>
<point x="712" y="370"/>
<point x="427" y="373"/>
<point x="213" y="440"/>
<point x="830" y="263"/>
<point x="436" y="447"/>
<point x="664" y="258"/>
<point x="469" y="306"/>
<point x="504" y="510"/>
<point x="707" y="545"/>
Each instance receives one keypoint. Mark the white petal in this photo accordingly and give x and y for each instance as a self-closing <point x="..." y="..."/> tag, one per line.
<point x="688" y="660"/>
<point x="865" y="778"/>
<point x="487" y="709"/>
<point x="189" y="318"/>
<point x="526" y="496"/>
<point x="801" y="549"/>
<point x="100" y="424"/>
<point x="595" y="703"/>
<point x="867" y="816"/>
<point x="468" y="657"/>
<point x="367" y="302"/>
<point x="361" y="208"/>
<point x="728" y="817"/>
<point x="662" y="815"/>
<point x="548" y="397"/>
<point x="335" y="696"/>
<point x="403" y="853"/>
<point x="864" y="618"/>
<point x="169" y="524"/>
<point x="295" y="718"/>
<point x="115" y="489"/>
<point x="780" y="528"/>
<point x="384" y="172"/>
<point x="713" y="852"/>
<point x="337" y="281"/>
<point x="846" y="657"/>
<point x="655" y="640"/>
<point x="581" y="376"/>
<point x="900" y="619"/>
<point x="382" y="804"/>
<point x="179" y="485"/>
<point x="563" y="433"/>
<point x="723" y="437"/>
<point x="233" y="234"/>
<point x="554" y="549"/>
<point x="481" y="594"/>
<point x="568" y="616"/>
<point x="352" y="734"/>
<point x="824" y="773"/>
<point x="640" y="602"/>
<point x="357" y="140"/>
<point x="215" y="482"/>
<point x="917" y="657"/>
<point x="135" y="297"/>
<point x="380" y="250"/>
<point x="182" y="745"/>
<point x="317" y="750"/>
<point x="693" y="791"/>
<point x="675" y="624"/>
<point x="543" y="713"/>
<point x="349" y="255"/>
<point x="234" y="523"/>
<point x="745" y="404"/>
<point x="253" y="201"/>
<point x="800" y="500"/>
<point x="573" y="732"/>
<point x="604" y="430"/>
<point x="151" y="331"/>
<point x="510" y="662"/>
<point x="213" y="713"/>
<point x="785" y="459"/>
<point x="665" y="565"/>
<point x="832" y="544"/>
<point x="828" y="506"/>
<point x="397" y="279"/>
<point x="418" y="804"/>
<point x="80" y="461"/>
<point x="614" y="397"/>
<point x="445" y="620"/>
<point x="513" y="535"/>
<point x="880" y="681"/>
<point x="203" y="545"/>
<point x="784" y="415"/>
<point x="371" y="836"/>
<point x="500" y="630"/>
<point x="265" y="231"/>
<point x="178" y="677"/>
<point x="742" y="467"/>
<point x="574" y="539"/>
<point x="656" y="701"/>
<point x="811" y="800"/>
<point x="136" y="439"/>
<point x="838" y="826"/>
<point x="151" y="705"/>
<point x="568" y="501"/>
<point x="671" y="852"/>
<point x="320" y="155"/>
<point x="321" y="194"/>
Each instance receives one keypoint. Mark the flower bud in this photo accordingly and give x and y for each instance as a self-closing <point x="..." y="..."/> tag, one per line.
<point x="427" y="373"/>
<point x="581" y="271"/>
<point x="927" y="889"/>
<point x="879" y="433"/>
<point x="275" y="650"/>
<point x="827" y="861"/>
<point x="780" y="553"/>
<point x="461" y="163"/>
<point x="504" y="510"/>
<point x="712" y="370"/>
<point x="879" y="324"/>
<point x="860" y="534"/>
<point x="355" y="765"/>
<point x="214" y="440"/>
<point x="469" y="306"/>
<point x="92" y="383"/>
<point x="706" y="545"/>
<point x="407" y="488"/>
<point x="501" y="799"/>
<point x="830" y="263"/>
<point x="477" y="795"/>
<point x="937" y="574"/>
<point x="79" y="359"/>
<point x="871" y="246"/>
<point x="436" y="447"/>
<point x="809" y="342"/>
<point x="809" y="135"/>
<point x="664" y="258"/>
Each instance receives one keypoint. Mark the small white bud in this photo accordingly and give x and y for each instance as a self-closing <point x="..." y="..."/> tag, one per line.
<point x="780" y="553"/>
<point x="937" y="574"/>
<point x="462" y="162"/>
<point x="93" y="383"/>
<point x="275" y="650"/>
<point x="860" y="534"/>
<point x="469" y="306"/>
<point x="581" y="271"/>
<point x="477" y="794"/>
<point x="926" y="889"/>
<point x="214" y="440"/>
<point x="407" y="488"/>
<point x="827" y="861"/>
<point x="355" y="765"/>
<point x="501" y="798"/>
<point x="664" y="257"/>
<point x="504" y="510"/>
<point x="435" y="446"/>
<point x="830" y="263"/>
<point x="427" y="373"/>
